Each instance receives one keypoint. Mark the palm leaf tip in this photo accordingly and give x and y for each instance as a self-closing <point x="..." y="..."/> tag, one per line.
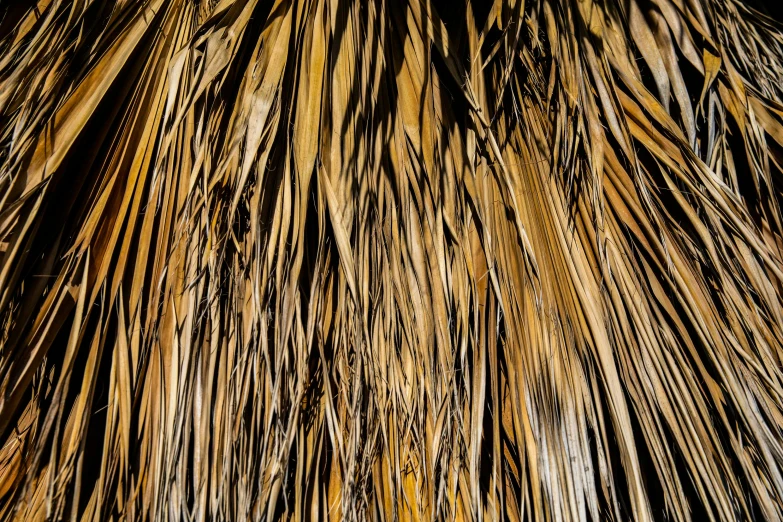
<point x="420" y="260"/>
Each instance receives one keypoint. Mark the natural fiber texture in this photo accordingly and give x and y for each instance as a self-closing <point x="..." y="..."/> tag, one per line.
<point x="390" y="260"/>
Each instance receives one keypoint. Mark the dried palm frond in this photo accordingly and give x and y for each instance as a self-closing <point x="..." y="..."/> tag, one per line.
<point x="391" y="260"/>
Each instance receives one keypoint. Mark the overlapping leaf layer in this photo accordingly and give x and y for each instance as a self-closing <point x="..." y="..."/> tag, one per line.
<point x="390" y="260"/>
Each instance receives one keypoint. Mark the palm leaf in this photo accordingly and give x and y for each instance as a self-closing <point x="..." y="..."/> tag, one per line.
<point x="421" y="260"/>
